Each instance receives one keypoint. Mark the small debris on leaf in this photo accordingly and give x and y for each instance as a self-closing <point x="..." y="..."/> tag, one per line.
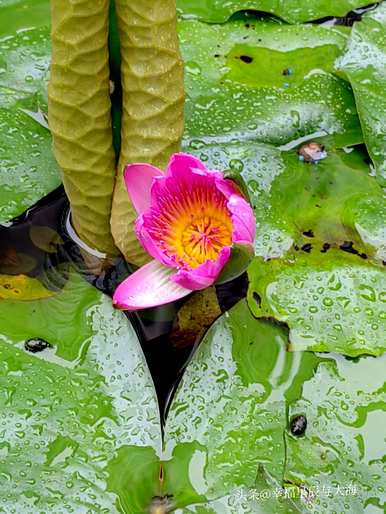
<point x="246" y="58"/>
<point x="36" y="345"/>
<point x="307" y="248"/>
<point x="298" y="425"/>
<point x="326" y="247"/>
<point x="312" y="152"/>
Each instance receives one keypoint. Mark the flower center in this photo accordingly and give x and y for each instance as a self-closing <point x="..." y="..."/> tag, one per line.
<point x="203" y="238"/>
<point x="195" y="238"/>
<point x="191" y="226"/>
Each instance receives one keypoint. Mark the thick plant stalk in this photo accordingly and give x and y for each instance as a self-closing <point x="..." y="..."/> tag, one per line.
<point x="80" y="115"/>
<point x="153" y="100"/>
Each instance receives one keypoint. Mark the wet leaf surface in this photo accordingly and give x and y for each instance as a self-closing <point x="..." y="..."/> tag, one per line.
<point x="312" y="207"/>
<point x="28" y="170"/>
<point x="340" y="459"/>
<point x="230" y="407"/>
<point x="241" y="393"/>
<point x="265" y="82"/>
<point x="22" y="287"/>
<point x="364" y="64"/>
<point x="331" y="302"/>
<point x="293" y="11"/>
<point x="80" y="422"/>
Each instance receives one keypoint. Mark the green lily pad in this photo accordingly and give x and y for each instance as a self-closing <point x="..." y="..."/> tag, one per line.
<point x="334" y="202"/>
<point x="364" y="64"/>
<point x="28" y="169"/>
<point x="229" y="408"/>
<point x="339" y="461"/>
<point x="80" y="421"/>
<point x="331" y="302"/>
<point x="293" y="11"/>
<point x="265" y="82"/>
<point x="228" y="443"/>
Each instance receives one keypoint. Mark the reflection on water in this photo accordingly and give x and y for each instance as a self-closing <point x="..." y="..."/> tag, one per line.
<point x="35" y="248"/>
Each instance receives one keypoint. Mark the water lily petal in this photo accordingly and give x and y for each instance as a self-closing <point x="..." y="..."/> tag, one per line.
<point x="205" y="275"/>
<point x="149" y="244"/>
<point x="227" y="187"/>
<point x="182" y="162"/>
<point x="148" y="287"/>
<point x="243" y="219"/>
<point x="138" y="180"/>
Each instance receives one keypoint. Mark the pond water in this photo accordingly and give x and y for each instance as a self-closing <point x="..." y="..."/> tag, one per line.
<point x="36" y="244"/>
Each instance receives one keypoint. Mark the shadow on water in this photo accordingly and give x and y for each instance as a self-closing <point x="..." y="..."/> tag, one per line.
<point x="36" y="244"/>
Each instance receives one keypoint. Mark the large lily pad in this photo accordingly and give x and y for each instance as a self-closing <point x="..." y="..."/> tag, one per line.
<point x="331" y="302"/>
<point x="80" y="422"/>
<point x="365" y="65"/>
<point x="293" y="11"/>
<point x="340" y="459"/>
<point x="266" y="82"/>
<point x="225" y="446"/>
<point x="28" y="169"/>
<point x="333" y="203"/>
<point x="230" y="407"/>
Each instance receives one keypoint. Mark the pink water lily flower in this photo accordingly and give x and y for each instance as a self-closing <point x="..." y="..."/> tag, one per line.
<point x="189" y="219"/>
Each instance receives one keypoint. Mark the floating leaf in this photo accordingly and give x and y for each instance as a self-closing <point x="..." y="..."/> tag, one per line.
<point x="364" y="64"/>
<point x="28" y="170"/>
<point x="312" y="206"/>
<point x="266" y="82"/>
<point x="22" y="287"/>
<point x="293" y="11"/>
<point x="340" y="459"/>
<point x="230" y="407"/>
<point x="80" y="422"/>
<point x="331" y="302"/>
<point x="228" y="441"/>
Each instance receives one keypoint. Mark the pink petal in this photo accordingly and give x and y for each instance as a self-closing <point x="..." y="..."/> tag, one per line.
<point x="243" y="219"/>
<point x="181" y="162"/>
<point x="148" y="287"/>
<point x="138" y="180"/>
<point x="149" y="244"/>
<point x="227" y="187"/>
<point x="205" y="275"/>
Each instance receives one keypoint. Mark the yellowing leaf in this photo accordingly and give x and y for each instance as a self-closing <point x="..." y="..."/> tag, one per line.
<point x="22" y="287"/>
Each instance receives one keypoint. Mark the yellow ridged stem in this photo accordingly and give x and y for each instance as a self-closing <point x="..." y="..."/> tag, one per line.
<point x="80" y="115"/>
<point x="153" y="101"/>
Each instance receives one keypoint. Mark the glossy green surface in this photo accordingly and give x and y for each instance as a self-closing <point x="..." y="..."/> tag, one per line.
<point x="265" y="82"/>
<point x="228" y="426"/>
<point x="79" y="421"/>
<point x="364" y="64"/>
<point x="331" y="302"/>
<point x="293" y="11"/>
<point x="297" y="203"/>
<point x="230" y="407"/>
<point x="28" y="169"/>
<point x="340" y="461"/>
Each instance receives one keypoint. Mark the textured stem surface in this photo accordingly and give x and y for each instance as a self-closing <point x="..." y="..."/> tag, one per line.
<point x="153" y="101"/>
<point x="80" y="115"/>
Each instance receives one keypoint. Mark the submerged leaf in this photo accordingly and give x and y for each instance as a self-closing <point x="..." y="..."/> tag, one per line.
<point x="22" y="287"/>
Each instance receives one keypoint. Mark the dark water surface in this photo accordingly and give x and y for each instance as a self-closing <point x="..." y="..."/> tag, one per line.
<point x="21" y="252"/>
